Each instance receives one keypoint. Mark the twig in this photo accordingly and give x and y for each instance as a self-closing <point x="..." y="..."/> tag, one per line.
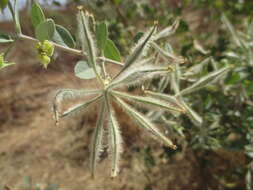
<point x="71" y="50"/>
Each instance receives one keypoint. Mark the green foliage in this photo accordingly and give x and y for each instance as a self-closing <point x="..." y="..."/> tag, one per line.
<point x="84" y="71"/>
<point x="111" y="51"/>
<point x="63" y="37"/>
<point x="37" y="15"/>
<point x="102" y="35"/>
<point x="45" y="30"/>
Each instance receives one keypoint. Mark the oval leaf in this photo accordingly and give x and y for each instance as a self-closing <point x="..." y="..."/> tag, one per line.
<point x="102" y="35"/>
<point x="3" y="4"/>
<point x="45" y="30"/>
<point x="83" y="71"/>
<point x="63" y="37"/>
<point x="37" y="15"/>
<point x="111" y="51"/>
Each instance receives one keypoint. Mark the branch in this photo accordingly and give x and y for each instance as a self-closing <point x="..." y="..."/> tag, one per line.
<point x="71" y="50"/>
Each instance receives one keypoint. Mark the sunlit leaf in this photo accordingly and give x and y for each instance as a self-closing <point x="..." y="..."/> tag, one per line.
<point x="45" y="30"/>
<point x="139" y="50"/>
<point x="144" y="123"/>
<point x="65" y="94"/>
<point x="138" y="74"/>
<point x="170" y="99"/>
<point x="86" y="39"/>
<point x="167" y="31"/>
<point x="79" y="107"/>
<point x="84" y="71"/>
<point x="206" y="80"/>
<point x="63" y="37"/>
<point x="111" y="51"/>
<point x="37" y="15"/>
<point x="96" y="143"/>
<point x="151" y="101"/>
<point x="115" y="145"/>
<point x="102" y="35"/>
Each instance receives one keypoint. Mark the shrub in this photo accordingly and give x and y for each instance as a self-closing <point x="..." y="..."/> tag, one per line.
<point x="148" y="62"/>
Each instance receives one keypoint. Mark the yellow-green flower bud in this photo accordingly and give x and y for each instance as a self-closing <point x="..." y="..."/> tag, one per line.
<point x="44" y="60"/>
<point x="38" y="45"/>
<point x="48" y="48"/>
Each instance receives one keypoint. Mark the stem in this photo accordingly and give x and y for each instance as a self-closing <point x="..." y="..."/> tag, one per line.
<point x="14" y="16"/>
<point x="103" y="66"/>
<point x="17" y="21"/>
<point x="70" y="50"/>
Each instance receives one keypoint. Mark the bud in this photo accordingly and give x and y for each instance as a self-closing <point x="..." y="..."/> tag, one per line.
<point x="3" y="63"/>
<point x="44" y="60"/>
<point x="48" y="48"/>
<point x="38" y="45"/>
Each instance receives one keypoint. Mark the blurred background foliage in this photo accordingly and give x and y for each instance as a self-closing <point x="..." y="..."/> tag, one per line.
<point x="211" y="34"/>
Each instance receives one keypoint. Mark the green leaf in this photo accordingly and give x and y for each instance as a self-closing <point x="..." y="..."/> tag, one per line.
<point x="64" y="94"/>
<point x="86" y="39"/>
<point x="136" y="75"/>
<point x="37" y="15"/>
<point x="168" y="31"/>
<point x="204" y="81"/>
<point x="167" y="54"/>
<point x="84" y="71"/>
<point x="63" y="37"/>
<point x="233" y="78"/>
<point x="45" y="30"/>
<point x="151" y="101"/>
<point x="144" y="122"/>
<point x="102" y="35"/>
<point x="5" y="38"/>
<point x="194" y="117"/>
<point x="232" y="30"/>
<point x="79" y="107"/>
<point x="170" y="99"/>
<point x="115" y="140"/>
<point x="3" y="4"/>
<point x="140" y="49"/>
<point x="97" y="138"/>
<point x="111" y="51"/>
